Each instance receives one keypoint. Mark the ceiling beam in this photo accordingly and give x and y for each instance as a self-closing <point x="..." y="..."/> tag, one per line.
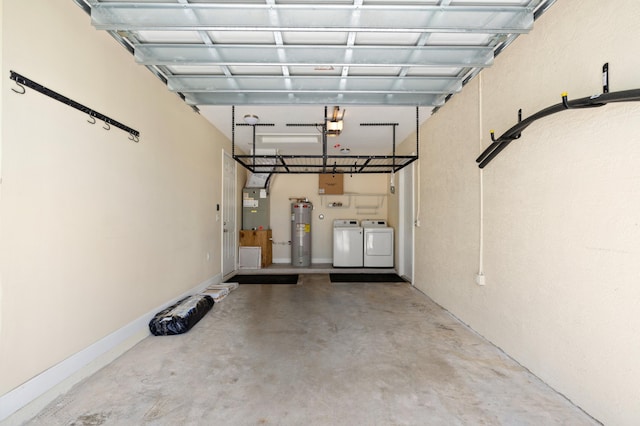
<point x="315" y="98"/>
<point x="121" y="16"/>
<point x="375" y="84"/>
<point x="316" y="55"/>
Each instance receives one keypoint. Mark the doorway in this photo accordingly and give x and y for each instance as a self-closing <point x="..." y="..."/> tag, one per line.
<point x="406" y="218"/>
<point x="229" y="214"/>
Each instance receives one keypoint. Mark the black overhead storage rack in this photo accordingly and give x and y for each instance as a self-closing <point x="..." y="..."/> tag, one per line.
<point x="325" y="163"/>
<point x="336" y="164"/>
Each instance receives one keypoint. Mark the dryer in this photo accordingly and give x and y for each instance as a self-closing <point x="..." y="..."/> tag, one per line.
<point x="378" y="244"/>
<point x="347" y="243"/>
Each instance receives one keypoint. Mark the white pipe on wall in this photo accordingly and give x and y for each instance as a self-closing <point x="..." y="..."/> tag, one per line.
<point x="480" y="280"/>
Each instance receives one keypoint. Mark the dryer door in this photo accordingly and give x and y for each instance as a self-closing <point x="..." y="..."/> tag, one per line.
<point x="378" y="248"/>
<point x="379" y="242"/>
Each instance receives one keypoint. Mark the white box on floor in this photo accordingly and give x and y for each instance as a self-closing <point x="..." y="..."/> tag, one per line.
<point x="249" y="257"/>
<point x="217" y="294"/>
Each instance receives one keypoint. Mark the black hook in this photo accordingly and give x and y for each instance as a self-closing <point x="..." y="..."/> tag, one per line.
<point x="565" y="100"/>
<point x="108" y="125"/>
<point x="92" y="118"/>
<point x="24" y="90"/>
<point x="519" y="120"/>
<point x="503" y="137"/>
<point x="134" y="138"/>
<point x="605" y="78"/>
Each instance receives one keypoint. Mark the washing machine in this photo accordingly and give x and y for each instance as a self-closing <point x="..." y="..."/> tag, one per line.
<point x="378" y="244"/>
<point x="347" y="243"/>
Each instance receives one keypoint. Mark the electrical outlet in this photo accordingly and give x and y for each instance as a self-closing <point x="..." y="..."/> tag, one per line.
<point x="480" y="279"/>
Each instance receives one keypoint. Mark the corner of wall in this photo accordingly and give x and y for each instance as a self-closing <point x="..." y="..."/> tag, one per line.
<point x="25" y="401"/>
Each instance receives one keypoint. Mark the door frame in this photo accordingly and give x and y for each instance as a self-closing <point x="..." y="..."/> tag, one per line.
<point x="234" y="241"/>
<point x="406" y="221"/>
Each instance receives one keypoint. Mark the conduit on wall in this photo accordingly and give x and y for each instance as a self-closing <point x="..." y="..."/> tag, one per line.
<point x="480" y="280"/>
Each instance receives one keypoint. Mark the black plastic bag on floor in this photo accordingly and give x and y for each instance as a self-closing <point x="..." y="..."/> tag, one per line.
<point x="180" y="317"/>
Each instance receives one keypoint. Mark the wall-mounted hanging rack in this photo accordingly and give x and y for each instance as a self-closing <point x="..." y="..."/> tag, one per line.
<point x="589" y="102"/>
<point x="23" y="82"/>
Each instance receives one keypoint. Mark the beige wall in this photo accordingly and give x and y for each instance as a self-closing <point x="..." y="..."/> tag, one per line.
<point x="561" y="208"/>
<point x="96" y="230"/>
<point x="359" y="205"/>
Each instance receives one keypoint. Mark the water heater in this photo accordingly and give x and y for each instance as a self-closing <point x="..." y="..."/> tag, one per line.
<point x="301" y="233"/>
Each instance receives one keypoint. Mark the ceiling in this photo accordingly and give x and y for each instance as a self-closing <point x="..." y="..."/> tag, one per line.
<point x="286" y="60"/>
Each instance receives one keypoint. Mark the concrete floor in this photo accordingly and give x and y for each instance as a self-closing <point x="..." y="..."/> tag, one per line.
<point x="316" y="353"/>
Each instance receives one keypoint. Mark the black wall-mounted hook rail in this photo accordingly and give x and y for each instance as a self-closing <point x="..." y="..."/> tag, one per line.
<point x="24" y="81"/>
<point x="503" y="141"/>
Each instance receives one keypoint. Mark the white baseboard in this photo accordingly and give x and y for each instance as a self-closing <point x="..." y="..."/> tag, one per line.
<point x="28" y="399"/>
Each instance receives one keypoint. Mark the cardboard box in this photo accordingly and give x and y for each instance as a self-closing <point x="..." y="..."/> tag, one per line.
<point x="330" y="184"/>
